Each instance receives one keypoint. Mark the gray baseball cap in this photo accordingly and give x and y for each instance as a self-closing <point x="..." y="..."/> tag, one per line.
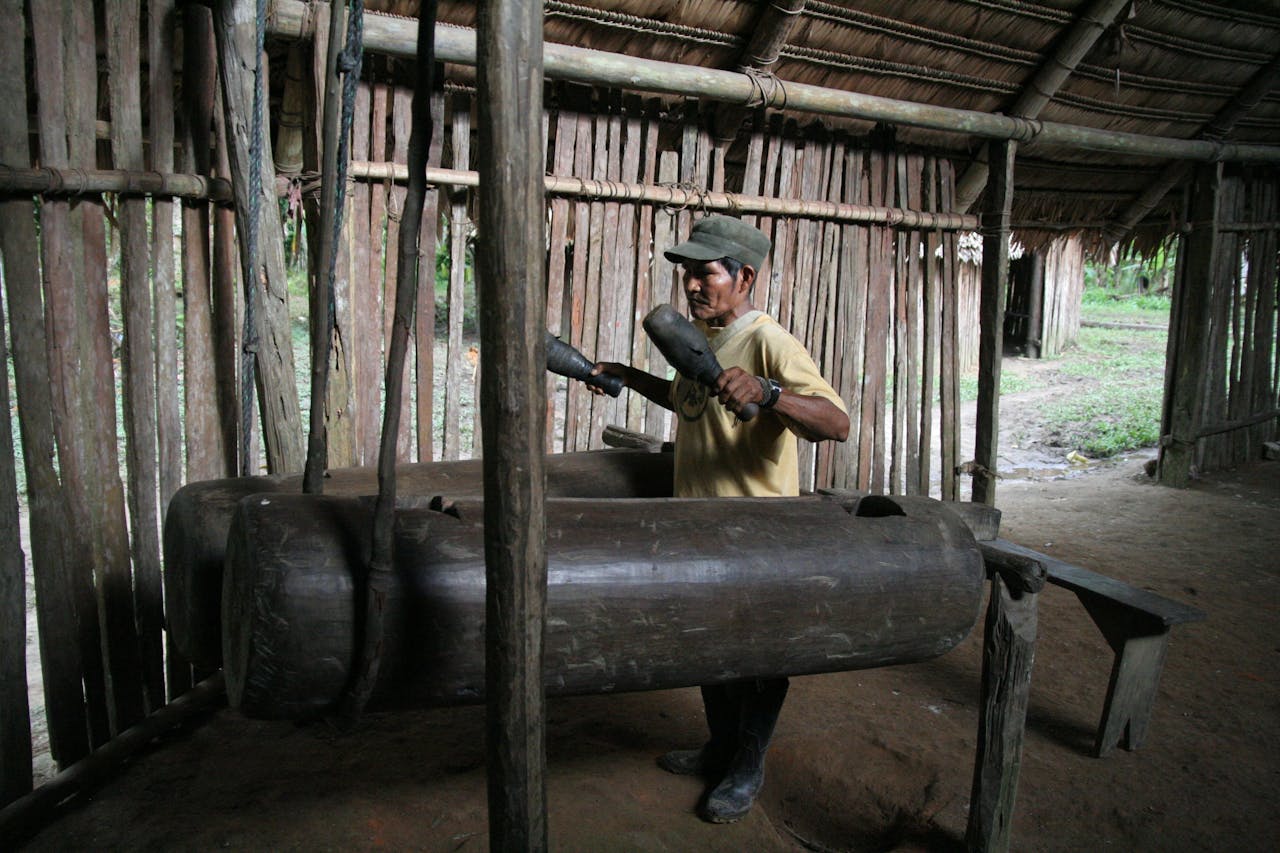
<point x="717" y="236"/>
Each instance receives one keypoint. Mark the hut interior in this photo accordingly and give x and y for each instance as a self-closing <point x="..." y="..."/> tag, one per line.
<point x="201" y="206"/>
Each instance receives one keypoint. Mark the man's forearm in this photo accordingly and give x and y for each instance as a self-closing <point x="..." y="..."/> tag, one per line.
<point x="815" y="418"/>
<point x="654" y="388"/>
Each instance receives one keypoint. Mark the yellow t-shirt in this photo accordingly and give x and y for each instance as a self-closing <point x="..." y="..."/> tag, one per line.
<point x="717" y="456"/>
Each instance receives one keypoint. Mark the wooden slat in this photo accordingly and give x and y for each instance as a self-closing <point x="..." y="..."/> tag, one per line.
<point x="929" y="328"/>
<point x="98" y="497"/>
<point x="658" y="419"/>
<point x="790" y="181"/>
<point x="897" y="464"/>
<point x="589" y="424"/>
<point x="51" y="534"/>
<point x="364" y="335"/>
<point x="138" y="355"/>
<point x="577" y="405"/>
<point x="640" y="409"/>
<point x="628" y="408"/>
<point x="604" y="408"/>
<point x="824" y="322"/>
<point x="557" y="266"/>
<point x="916" y="411"/>
<point x="459" y="225"/>
<point x="851" y="307"/>
<point x="227" y="301"/>
<point x="160" y="52"/>
<point x="871" y="436"/>
<point x="950" y="379"/>
<point x="15" y="713"/>
<point x="425" y="315"/>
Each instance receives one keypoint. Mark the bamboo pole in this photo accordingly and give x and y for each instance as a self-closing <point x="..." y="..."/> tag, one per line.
<point x="395" y="36"/>
<point x="513" y="313"/>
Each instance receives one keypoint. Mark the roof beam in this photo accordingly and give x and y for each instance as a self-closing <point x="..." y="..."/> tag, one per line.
<point x="396" y="37"/>
<point x="1244" y="101"/>
<point x="1072" y="49"/>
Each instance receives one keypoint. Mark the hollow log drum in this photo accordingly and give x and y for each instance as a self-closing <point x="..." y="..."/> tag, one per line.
<point x="199" y="516"/>
<point x="642" y="594"/>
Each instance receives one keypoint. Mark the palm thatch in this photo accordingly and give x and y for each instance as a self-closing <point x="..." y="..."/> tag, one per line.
<point x="1161" y="68"/>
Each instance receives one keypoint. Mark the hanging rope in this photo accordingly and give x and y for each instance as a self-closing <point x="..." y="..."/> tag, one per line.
<point x="379" y="577"/>
<point x="249" y="336"/>
<point x="347" y="64"/>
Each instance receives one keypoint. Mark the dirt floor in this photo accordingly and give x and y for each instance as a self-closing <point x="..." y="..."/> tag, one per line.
<point x="872" y="760"/>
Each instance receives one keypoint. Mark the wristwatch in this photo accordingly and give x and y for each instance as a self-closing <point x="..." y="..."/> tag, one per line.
<point x="771" y="390"/>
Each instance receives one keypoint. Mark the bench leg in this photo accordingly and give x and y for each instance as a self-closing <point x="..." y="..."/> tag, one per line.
<point x="1140" y="647"/>
<point x="1008" y="653"/>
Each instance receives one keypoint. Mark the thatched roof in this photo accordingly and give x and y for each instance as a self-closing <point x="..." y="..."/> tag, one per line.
<point x="1161" y="67"/>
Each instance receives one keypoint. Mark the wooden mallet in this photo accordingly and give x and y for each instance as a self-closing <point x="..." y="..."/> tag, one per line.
<point x="688" y="351"/>
<point x="564" y="360"/>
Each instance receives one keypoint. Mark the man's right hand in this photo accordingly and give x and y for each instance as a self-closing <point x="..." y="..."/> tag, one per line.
<point x="613" y="369"/>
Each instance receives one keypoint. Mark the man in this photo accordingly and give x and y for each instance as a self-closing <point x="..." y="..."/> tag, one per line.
<point x="718" y="456"/>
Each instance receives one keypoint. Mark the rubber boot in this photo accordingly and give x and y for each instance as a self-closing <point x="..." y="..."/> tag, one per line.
<point x="733" y="797"/>
<point x="712" y="758"/>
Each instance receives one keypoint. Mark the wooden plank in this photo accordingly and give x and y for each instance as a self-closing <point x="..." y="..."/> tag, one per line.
<point x="512" y="226"/>
<point x="227" y="299"/>
<point x="851" y="319"/>
<point x="766" y="298"/>
<point x="823" y="315"/>
<point x="138" y="353"/>
<point x="791" y="180"/>
<point x="281" y="415"/>
<point x="1008" y="654"/>
<point x="53" y="569"/>
<point x="995" y="273"/>
<point x="459" y="226"/>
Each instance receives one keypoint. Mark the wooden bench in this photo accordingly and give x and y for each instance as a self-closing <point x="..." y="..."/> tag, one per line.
<point x="1135" y="623"/>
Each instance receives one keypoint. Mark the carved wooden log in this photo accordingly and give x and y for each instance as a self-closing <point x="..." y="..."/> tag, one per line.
<point x="643" y="594"/>
<point x="196" y="524"/>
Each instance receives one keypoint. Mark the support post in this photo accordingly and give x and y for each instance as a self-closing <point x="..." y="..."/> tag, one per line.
<point x="1188" y="356"/>
<point x="995" y="273"/>
<point x="512" y="401"/>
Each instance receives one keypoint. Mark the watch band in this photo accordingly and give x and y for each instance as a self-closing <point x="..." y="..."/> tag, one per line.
<point x="771" y="391"/>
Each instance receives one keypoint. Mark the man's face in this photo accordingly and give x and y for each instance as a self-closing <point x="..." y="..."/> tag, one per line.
<point x="713" y="295"/>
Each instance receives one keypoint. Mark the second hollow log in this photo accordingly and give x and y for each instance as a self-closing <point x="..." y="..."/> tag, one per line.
<point x="642" y="595"/>
<point x="198" y="517"/>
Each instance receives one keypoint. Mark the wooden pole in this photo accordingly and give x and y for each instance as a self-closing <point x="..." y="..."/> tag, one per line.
<point x="1187" y="360"/>
<point x="512" y="399"/>
<point x="395" y="36"/>
<point x="995" y="272"/>
<point x="234" y="28"/>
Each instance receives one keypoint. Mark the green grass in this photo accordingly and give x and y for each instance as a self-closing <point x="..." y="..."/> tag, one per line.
<point x="1010" y="383"/>
<point x="1104" y="306"/>
<point x="1109" y="420"/>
